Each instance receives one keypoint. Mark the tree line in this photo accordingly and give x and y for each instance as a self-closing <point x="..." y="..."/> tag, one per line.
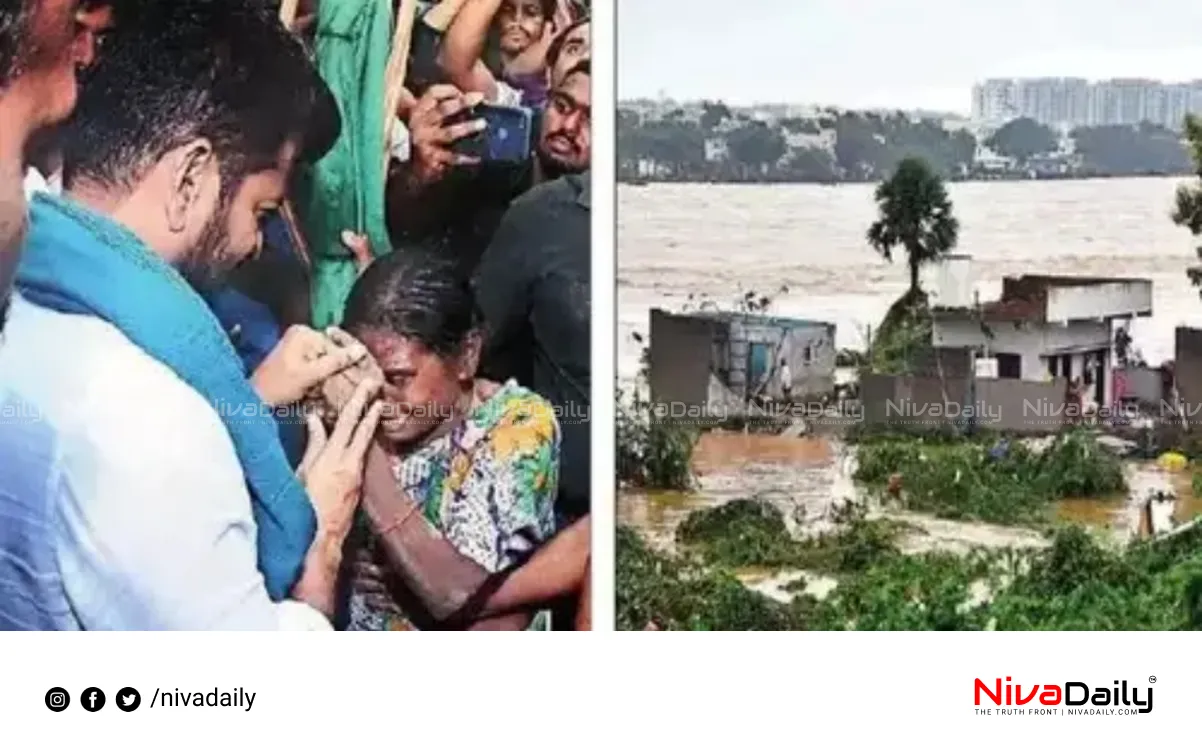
<point x="724" y="145"/>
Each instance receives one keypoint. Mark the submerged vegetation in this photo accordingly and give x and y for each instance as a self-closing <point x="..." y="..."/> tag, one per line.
<point x="1075" y="583"/>
<point x="990" y="478"/>
<point x="652" y="452"/>
<point x="753" y="534"/>
<point x="678" y="593"/>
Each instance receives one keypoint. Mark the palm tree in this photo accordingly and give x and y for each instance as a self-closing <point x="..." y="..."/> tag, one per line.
<point x="916" y="214"/>
<point x="1188" y="213"/>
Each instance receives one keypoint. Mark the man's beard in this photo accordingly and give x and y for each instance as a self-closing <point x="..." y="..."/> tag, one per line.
<point x="209" y="263"/>
<point x="553" y="167"/>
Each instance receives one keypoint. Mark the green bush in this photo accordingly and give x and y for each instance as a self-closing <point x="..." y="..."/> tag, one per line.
<point x="1077" y="465"/>
<point x="918" y="592"/>
<point x="741" y="533"/>
<point x="752" y="533"/>
<point x="857" y="543"/>
<point x="652" y="453"/>
<point x="988" y="478"/>
<point x="1076" y="583"/>
<point x="679" y="594"/>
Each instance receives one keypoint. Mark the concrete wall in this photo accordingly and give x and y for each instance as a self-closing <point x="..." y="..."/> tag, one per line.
<point x="1010" y="405"/>
<point x="1029" y="340"/>
<point x="688" y="353"/>
<point x="1187" y="371"/>
<point x="1034" y="342"/>
<point x="1112" y="299"/>
<point x="813" y="372"/>
<point x="945" y="362"/>
<point x="680" y="354"/>
<point x="1142" y="385"/>
<point x="723" y="402"/>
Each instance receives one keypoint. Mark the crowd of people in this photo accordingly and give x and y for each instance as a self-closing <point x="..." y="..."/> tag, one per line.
<point x="184" y="442"/>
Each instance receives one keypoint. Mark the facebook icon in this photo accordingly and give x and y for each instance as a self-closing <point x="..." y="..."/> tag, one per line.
<point x="92" y="699"/>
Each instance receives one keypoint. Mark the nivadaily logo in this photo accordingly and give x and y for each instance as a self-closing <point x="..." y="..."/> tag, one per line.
<point x="1069" y="698"/>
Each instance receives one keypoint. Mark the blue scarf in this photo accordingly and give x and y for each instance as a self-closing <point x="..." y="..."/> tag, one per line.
<point x="79" y="262"/>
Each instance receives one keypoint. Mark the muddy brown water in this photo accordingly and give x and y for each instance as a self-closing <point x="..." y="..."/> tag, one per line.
<point x="677" y="240"/>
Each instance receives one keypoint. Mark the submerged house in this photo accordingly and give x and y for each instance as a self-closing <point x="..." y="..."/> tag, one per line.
<point x="1041" y="328"/>
<point x="718" y="361"/>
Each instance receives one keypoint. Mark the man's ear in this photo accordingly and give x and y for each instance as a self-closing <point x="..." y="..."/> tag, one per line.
<point x="191" y="169"/>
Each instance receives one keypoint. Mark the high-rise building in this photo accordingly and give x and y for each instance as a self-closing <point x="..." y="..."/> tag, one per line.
<point x="995" y="101"/>
<point x="1068" y="102"/>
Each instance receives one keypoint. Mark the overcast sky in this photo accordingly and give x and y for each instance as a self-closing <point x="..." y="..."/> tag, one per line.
<point x="893" y="53"/>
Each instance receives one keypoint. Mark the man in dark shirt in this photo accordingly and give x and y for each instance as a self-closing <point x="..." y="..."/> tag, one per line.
<point x="442" y="201"/>
<point x="533" y="285"/>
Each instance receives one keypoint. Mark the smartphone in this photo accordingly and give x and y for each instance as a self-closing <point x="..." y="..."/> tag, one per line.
<point x="506" y="137"/>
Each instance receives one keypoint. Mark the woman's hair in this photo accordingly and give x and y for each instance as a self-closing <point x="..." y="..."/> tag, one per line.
<point x="418" y="295"/>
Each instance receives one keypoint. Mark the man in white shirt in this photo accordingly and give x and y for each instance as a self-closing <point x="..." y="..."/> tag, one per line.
<point x="35" y="183"/>
<point x="135" y="510"/>
<point x="38" y="57"/>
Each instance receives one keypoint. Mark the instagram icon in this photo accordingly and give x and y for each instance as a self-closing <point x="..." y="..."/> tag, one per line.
<point x="57" y="699"/>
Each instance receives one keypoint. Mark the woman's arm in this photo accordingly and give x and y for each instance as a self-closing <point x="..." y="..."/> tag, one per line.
<point x="444" y="580"/>
<point x="463" y="48"/>
<point x="558" y="568"/>
<point x="437" y="574"/>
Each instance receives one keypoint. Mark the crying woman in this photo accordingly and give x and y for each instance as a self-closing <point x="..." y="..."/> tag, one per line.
<point x="460" y="487"/>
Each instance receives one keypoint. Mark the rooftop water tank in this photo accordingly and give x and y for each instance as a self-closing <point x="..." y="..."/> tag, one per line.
<point x="949" y="282"/>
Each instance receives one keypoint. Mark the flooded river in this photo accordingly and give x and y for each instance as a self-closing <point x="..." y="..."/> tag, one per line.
<point x="806" y="477"/>
<point x="677" y="240"/>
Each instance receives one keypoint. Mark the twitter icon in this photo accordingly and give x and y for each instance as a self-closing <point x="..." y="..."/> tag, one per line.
<point x="128" y="699"/>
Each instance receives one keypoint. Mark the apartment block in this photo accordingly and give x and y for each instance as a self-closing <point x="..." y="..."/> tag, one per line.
<point x="1069" y="102"/>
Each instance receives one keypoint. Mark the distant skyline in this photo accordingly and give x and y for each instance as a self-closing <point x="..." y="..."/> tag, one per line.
<point x="908" y="54"/>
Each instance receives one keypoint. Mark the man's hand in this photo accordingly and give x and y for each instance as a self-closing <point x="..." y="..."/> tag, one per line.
<point x="432" y="135"/>
<point x="563" y="16"/>
<point x="332" y="468"/>
<point x="303" y="359"/>
<point x="332" y="471"/>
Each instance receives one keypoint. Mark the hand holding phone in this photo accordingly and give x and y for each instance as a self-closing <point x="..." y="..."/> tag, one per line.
<point x="436" y="123"/>
<point x="505" y="138"/>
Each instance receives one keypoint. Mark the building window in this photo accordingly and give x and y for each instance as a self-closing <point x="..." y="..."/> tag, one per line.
<point x="806" y="354"/>
<point x="1009" y="366"/>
